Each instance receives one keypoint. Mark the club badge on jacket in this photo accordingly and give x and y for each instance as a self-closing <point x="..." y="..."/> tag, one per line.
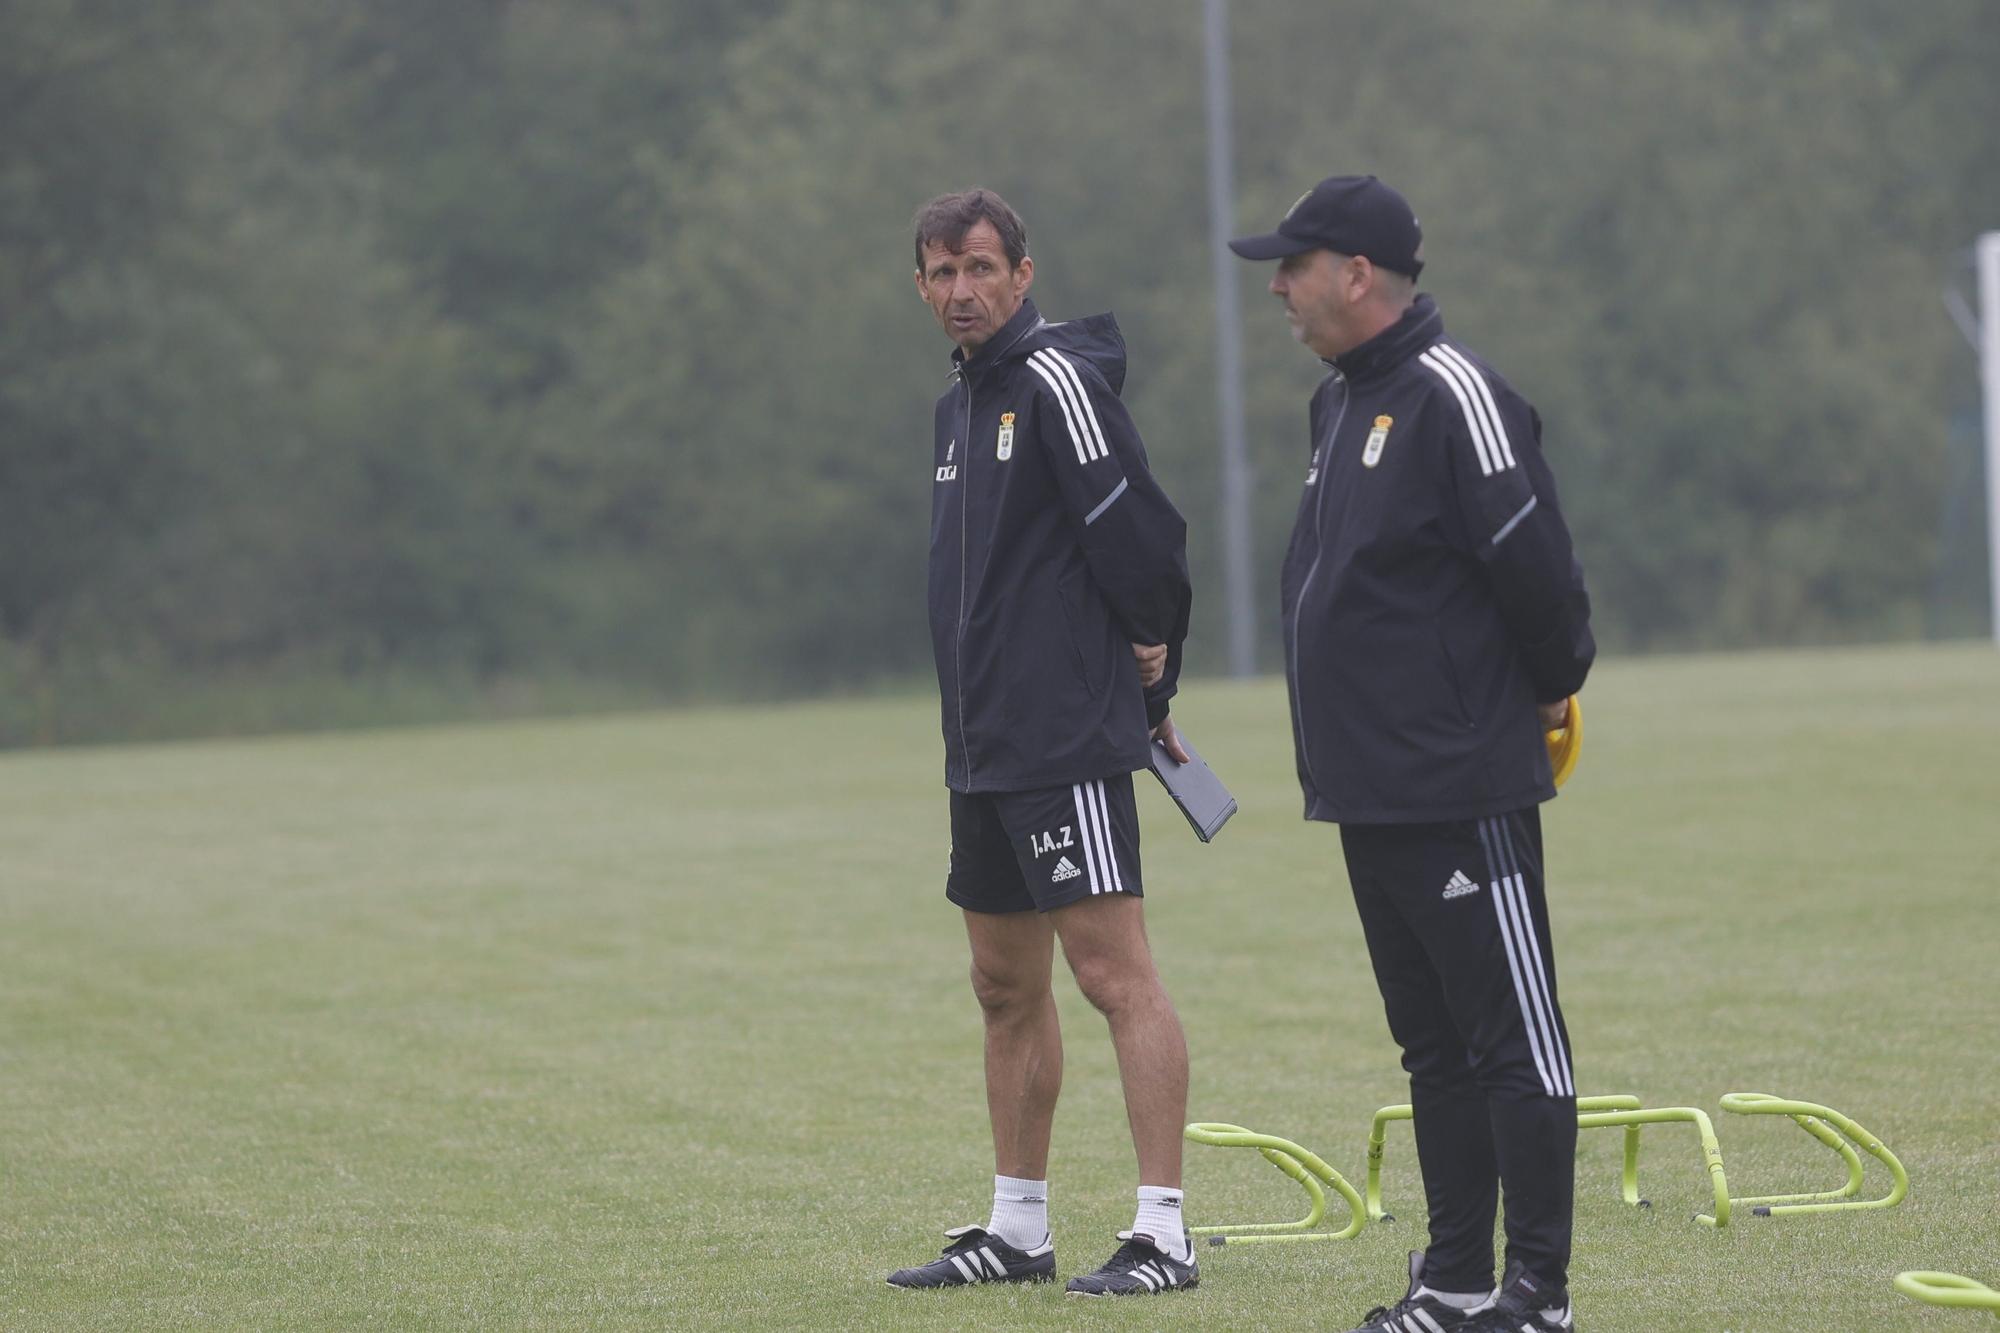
<point x="1371" y="453"/>
<point x="1006" y="449"/>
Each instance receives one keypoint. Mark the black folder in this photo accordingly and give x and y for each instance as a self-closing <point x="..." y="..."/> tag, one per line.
<point x="1195" y="789"/>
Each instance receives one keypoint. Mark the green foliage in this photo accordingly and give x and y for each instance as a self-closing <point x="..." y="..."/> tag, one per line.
<point x="506" y="339"/>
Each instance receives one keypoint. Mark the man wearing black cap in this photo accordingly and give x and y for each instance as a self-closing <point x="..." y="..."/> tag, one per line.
<point x="1435" y="621"/>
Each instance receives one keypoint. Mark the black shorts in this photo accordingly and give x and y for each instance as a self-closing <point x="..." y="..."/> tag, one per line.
<point x="1040" y="850"/>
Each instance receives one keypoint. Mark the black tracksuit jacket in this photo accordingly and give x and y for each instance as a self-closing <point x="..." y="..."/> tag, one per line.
<point x="1430" y="594"/>
<point x="1053" y="550"/>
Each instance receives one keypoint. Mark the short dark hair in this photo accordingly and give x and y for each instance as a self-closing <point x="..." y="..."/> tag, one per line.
<point x="946" y="219"/>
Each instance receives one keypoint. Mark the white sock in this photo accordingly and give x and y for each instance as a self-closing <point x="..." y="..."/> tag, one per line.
<point x="1020" y="1211"/>
<point x="1160" y="1217"/>
<point x="1458" y="1300"/>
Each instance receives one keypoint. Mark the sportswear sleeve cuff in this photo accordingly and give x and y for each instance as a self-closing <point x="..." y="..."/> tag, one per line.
<point x="1558" y="663"/>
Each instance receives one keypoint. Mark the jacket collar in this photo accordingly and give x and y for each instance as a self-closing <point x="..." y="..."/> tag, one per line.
<point x="1419" y="327"/>
<point x="1025" y="321"/>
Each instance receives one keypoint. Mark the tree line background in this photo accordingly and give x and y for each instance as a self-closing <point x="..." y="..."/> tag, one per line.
<point x="385" y="360"/>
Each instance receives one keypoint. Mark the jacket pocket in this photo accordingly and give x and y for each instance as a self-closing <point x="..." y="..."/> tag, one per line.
<point x="1088" y="628"/>
<point x="1449" y="665"/>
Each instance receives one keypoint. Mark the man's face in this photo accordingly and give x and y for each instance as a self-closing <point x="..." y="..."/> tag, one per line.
<point x="1320" y="289"/>
<point x="972" y="291"/>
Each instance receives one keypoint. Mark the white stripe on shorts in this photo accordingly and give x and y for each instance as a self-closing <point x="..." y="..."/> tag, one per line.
<point x="1105" y="844"/>
<point x="1083" y="833"/>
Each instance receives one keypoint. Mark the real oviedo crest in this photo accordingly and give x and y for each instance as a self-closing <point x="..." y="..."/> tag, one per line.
<point x="1006" y="449"/>
<point x="1371" y="453"/>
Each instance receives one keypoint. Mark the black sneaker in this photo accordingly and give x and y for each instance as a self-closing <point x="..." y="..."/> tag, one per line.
<point x="977" y="1255"/>
<point x="1140" y="1268"/>
<point x="1525" y="1304"/>
<point x="1416" y="1312"/>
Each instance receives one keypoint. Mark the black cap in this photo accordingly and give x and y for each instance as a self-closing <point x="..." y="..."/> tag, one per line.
<point x="1354" y="215"/>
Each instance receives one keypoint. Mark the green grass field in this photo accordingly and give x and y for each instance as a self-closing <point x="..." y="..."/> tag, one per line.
<point x="662" y="1019"/>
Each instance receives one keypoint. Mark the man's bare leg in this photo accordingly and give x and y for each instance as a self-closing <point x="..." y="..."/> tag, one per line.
<point x="1104" y="939"/>
<point x="1012" y="954"/>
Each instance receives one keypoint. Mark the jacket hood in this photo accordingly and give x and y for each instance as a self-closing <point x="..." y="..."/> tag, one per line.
<point x="1094" y="338"/>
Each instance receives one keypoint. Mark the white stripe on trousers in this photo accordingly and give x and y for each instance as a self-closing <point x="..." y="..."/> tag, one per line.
<point x="1517" y="933"/>
<point x="1538" y="977"/>
<point x="1514" y="904"/>
<point x="1510" y="934"/>
<point x="1513" y="955"/>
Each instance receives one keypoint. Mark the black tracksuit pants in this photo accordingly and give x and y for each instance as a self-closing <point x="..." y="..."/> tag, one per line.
<point x="1458" y="931"/>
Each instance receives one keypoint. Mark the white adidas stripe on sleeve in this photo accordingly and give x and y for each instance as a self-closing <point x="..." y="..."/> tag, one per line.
<point x="1062" y="400"/>
<point x="1473" y="426"/>
<point x="1482" y="404"/>
<point x="1061" y="376"/>
<point x="1485" y="396"/>
<point x="1482" y="420"/>
<point x="1083" y="397"/>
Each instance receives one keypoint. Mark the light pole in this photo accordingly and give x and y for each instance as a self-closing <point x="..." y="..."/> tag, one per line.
<point x="1988" y="253"/>
<point x="1235" y="499"/>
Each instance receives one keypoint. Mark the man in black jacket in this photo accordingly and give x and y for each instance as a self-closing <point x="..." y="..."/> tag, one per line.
<point x="1435" y="622"/>
<point x="1058" y="602"/>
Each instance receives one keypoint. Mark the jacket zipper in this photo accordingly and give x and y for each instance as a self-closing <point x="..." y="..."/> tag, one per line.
<point x="1319" y="551"/>
<point x="958" y="644"/>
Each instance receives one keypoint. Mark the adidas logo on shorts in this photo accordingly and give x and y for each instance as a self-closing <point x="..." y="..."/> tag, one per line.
<point x="1459" y="886"/>
<point x="1065" y="869"/>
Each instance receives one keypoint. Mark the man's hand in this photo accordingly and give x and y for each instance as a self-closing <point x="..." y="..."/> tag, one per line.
<point x="1152" y="662"/>
<point x="1166" y="735"/>
<point x="1555" y="716"/>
